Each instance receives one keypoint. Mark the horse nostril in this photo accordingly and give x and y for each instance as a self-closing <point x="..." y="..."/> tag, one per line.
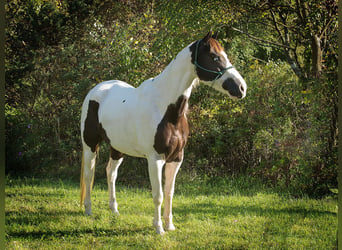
<point x="242" y="88"/>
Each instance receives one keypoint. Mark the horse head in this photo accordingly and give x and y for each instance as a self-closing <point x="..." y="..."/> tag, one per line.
<point x="213" y="67"/>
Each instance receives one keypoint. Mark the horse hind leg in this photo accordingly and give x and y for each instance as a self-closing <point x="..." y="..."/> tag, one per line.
<point x="87" y="177"/>
<point x="114" y="162"/>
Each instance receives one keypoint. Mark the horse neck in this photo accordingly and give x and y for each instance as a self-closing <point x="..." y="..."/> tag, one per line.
<point x="177" y="78"/>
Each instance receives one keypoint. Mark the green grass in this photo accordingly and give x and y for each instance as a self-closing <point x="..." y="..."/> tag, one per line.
<point x="226" y="214"/>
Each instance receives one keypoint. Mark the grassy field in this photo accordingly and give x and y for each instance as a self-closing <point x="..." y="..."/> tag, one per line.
<point x="225" y="214"/>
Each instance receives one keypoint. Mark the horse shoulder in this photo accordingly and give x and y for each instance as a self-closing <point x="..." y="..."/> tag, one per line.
<point x="172" y="131"/>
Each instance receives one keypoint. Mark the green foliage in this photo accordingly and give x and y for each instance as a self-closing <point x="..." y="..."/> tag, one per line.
<point x="284" y="131"/>
<point x="230" y="214"/>
<point x="278" y="132"/>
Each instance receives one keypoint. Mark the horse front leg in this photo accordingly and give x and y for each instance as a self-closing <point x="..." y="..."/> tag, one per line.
<point x="171" y="170"/>
<point x="155" y="168"/>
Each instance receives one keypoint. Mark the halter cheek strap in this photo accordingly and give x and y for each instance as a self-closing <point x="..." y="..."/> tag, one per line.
<point x="219" y="73"/>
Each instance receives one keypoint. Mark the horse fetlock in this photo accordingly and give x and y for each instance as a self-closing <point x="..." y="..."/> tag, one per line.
<point x="160" y="230"/>
<point x="87" y="206"/>
<point x="159" y="227"/>
<point x="114" y="207"/>
<point x="115" y="211"/>
<point x="158" y="224"/>
<point x="168" y="224"/>
<point x="169" y="227"/>
<point x="88" y="211"/>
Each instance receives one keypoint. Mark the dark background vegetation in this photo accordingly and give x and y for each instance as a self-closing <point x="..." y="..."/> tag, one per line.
<point x="284" y="132"/>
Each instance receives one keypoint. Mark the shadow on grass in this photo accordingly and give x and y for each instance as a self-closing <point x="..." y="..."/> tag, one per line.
<point x="214" y="210"/>
<point x="97" y="232"/>
<point x="36" y="219"/>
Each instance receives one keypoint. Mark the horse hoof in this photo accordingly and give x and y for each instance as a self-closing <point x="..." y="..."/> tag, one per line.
<point x="160" y="231"/>
<point x="170" y="227"/>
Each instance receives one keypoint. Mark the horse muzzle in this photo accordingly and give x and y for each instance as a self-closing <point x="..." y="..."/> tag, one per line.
<point x="235" y="87"/>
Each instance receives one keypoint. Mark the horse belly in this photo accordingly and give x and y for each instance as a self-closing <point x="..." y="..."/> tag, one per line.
<point x="126" y="126"/>
<point x="126" y="141"/>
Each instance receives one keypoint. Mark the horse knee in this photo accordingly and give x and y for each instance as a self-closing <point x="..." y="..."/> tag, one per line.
<point x="158" y="199"/>
<point x="109" y="168"/>
<point x="88" y="178"/>
<point x="169" y="193"/>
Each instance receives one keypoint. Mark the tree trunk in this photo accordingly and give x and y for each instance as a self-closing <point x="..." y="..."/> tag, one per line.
<point x="316" y="56"/>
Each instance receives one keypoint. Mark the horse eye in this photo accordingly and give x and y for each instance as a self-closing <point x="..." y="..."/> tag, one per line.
<point x="215" y="59"/>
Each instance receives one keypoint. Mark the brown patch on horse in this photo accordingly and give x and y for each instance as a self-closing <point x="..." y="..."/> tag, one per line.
<point x="173" y="130"/>
<point x="94" y="133"/>
<point x="91" y="133"/>
<point x="114" y="154"/>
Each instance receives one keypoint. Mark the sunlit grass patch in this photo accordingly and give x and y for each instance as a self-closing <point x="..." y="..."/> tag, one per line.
<point x="46" y="214"/>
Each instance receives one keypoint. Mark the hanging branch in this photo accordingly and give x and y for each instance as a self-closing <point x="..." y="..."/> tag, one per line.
<point x="293" y="62"/>
<point x="262" y="41"/>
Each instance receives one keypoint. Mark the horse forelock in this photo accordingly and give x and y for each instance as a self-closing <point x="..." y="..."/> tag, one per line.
<point x="214" y="45"/>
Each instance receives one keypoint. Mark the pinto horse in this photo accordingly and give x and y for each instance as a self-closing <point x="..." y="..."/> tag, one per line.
<point x="150" y="121"/>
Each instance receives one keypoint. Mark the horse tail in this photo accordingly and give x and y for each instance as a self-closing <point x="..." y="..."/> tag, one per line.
<point x="82" y="183"/>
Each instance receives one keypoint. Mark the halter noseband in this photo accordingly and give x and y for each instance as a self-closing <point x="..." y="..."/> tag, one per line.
<point x="219" y="73"/>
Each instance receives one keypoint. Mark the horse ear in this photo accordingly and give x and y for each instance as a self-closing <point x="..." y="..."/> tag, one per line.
<point x="215" y="35"/>
<point x="206" y="38"/>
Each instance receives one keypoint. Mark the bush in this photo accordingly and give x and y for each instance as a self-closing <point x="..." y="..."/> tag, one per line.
<point x="284" y="131"/>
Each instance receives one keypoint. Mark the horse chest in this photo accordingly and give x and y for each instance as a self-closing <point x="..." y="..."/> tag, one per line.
<point x="172" y="131"/>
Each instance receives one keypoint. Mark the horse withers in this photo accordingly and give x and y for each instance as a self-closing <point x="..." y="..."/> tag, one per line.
<point x="150" y="121"/>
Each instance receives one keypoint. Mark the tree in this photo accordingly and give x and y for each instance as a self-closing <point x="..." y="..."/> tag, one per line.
<point x="305" y="34"/>
<point x="305" y="31"/>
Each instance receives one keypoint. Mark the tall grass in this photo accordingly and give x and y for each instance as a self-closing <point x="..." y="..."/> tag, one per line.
<point x="226" y="214"/>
